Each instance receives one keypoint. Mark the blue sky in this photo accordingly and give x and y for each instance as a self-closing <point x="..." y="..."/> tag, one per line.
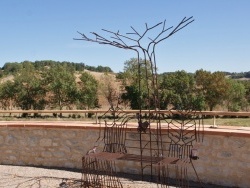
<point x="218" y="39"/>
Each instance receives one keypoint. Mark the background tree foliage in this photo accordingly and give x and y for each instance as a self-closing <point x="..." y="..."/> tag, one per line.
<point x="213" y="86"/>
<point x="235" y="100"/>
<point x="14" y="67"/>
<point x="64" y="85"/>
<point x="246" y="84"/>
<point x="109" y="90"/>
<point x="87" y="91"/>
<point x="28" y="88"/>
<point x="178" y="90"/>
<point x="137" y="83"/>
<point x="61" y="86"/>
<point x="8" y="94"/>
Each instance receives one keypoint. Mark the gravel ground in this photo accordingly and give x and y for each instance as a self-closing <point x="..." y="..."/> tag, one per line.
<point x="33" y="177"/>
<point x="36" y="177"/>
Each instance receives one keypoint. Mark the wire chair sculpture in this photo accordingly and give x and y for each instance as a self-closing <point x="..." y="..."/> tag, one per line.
<point x="156" y="147"/>
<point x="98" y="168"/>
<point x="186" y="132"/>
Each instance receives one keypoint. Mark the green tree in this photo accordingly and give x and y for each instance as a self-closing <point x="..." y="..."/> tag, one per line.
<point x="179" y="91"/>
<point x="135" y="97"/>
<point x="135" y="71"/>
<point x="61" y="86"/>
<point x="236" y="95"/>
<point x="8" y="95"/>
<point x="30" y="93"/>
<point x="213" y="86"/>
<point x="137" y="83"/>
<point x="246" y="84"/>
<point x="88" y="91"/>
<point x="12" y="68"/>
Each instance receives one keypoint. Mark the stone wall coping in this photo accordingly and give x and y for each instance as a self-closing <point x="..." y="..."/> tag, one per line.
<point x="209" y="130"/>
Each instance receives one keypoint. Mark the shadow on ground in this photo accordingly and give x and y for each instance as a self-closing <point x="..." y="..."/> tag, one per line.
<point x="21" y="179"/>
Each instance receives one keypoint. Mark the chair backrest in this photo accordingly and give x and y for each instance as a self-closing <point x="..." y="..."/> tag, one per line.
<point x="185" y="128"/>
<point x="114" y="137"/>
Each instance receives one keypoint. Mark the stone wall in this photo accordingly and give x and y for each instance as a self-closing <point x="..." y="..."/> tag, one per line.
<point x="224" y="156"/>
<point x="45" y="147"/>
<point x="225" y="160"/>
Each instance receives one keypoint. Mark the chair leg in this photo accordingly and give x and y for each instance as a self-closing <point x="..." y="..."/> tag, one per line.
<point x="99" y="173"/>
<point x="200" y="182"/>
<point x="162" y="176"/>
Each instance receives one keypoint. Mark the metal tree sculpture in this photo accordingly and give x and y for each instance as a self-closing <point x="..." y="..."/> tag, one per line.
<point x="145" y="50"/>
<point x="134" y="41"/>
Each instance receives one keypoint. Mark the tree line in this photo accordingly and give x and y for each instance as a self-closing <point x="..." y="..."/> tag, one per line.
<point x="236" y="75"/>
<point x="50" y="87"/>
<point x="202" y="90"/>
<point x="40" y="85"/>
<point x="14" y="67"/>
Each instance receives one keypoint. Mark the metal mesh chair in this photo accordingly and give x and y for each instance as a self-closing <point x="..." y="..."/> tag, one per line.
<point x="99" y="168"/>
<point x="185" y="131"/>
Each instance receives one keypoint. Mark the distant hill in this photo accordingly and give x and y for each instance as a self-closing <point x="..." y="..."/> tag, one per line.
<point x="241" y="75"/>
<point x="13" y="67"/>
<point x="233" y="75"/>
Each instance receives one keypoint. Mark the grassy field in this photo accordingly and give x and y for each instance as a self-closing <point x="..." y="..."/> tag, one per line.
<point x="241" y="122"/>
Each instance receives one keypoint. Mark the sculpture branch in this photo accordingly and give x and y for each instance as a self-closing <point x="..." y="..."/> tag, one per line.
<point x="125" y="42"/>
<point x="178" y="28"/>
